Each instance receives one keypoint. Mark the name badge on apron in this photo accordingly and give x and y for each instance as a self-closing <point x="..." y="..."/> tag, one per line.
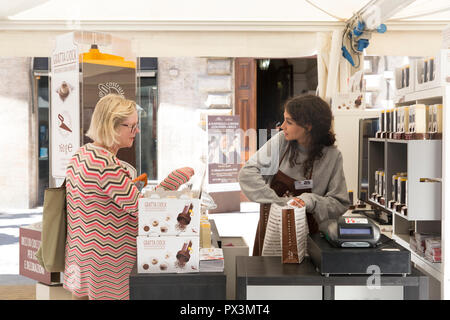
<point x="304" y="184"/>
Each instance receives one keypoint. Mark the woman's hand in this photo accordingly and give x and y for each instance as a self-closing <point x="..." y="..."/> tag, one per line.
<point x="296" y="202"/>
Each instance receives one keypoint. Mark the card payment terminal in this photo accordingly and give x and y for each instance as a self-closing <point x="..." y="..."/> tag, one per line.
<point x="352" y="232"/>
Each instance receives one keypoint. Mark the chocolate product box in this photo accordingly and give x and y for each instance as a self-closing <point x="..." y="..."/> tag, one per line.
<point x="169" y="216"/>
<point x="168" y="254"/>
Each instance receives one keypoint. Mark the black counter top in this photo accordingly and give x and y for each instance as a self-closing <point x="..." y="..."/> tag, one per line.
<point x="270" y="271"/>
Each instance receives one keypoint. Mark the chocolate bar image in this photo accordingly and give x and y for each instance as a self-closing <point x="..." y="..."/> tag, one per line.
<point x="184" y="218"/>
<point x="183" y="255"/>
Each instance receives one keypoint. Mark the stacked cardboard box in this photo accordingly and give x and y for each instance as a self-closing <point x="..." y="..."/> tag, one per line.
<point x="169" y="231"/>
<point x="433" y="250"/>
<point x="427" y="245"/>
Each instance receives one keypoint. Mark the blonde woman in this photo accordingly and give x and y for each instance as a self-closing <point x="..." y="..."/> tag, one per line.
<point x="102" y="206"/>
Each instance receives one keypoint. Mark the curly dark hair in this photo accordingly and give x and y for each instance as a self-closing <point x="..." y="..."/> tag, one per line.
<point x="310" y="110"/>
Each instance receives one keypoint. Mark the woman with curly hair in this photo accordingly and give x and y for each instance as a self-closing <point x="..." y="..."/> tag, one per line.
<point x="300" y="161"/>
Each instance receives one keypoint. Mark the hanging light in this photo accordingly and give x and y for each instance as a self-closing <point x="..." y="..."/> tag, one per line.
<point x="264" y="64"/>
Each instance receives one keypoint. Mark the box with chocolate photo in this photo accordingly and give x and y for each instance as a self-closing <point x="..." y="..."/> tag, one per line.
<point x="169" y="254"/>
<point x="169" y="216"/>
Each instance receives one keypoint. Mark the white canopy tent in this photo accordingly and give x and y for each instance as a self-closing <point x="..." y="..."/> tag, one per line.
<point x="207" y="10"/>
<point x="212" y="28"/>
<point x="258" y="28"/>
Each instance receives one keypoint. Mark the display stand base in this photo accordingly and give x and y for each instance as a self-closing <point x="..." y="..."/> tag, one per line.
<point x="55" y="292"/>
<point x="232" y="247"/>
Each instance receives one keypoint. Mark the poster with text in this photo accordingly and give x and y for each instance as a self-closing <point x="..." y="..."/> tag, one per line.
<point x="224" y="150"/>
<point x="65" y="104"/>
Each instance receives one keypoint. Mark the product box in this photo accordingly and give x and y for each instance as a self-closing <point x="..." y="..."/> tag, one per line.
<point x="432" y="72"/>
<point x="404" y="80"/>
<point x="168" y="254"/>
<point x="393" y="122"/>
<point x="402" y="119"/>
<point x="205" y="232"/>
<point x="172" y="213"/>
<point x="435" y="118"/>
<point x="418" y="120"/>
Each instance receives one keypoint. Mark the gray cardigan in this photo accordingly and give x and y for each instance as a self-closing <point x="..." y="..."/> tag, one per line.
<point x="329" y="198"/>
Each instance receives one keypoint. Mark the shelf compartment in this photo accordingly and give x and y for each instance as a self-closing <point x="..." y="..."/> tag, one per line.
<point x="402" y="229"/>
<point x="434" y="269"/>
<point x="424" y="161"/>
<point x="376" y="151"/>
<point x="419" y="159"/>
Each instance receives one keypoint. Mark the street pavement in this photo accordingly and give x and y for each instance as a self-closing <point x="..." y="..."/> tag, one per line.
<point x="10" y="222"/>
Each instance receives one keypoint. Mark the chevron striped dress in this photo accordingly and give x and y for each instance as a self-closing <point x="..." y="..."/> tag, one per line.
<point x="102" y="209"/>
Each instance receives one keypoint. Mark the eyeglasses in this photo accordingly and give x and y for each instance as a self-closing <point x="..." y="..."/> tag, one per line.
<point x="133" y="128"/>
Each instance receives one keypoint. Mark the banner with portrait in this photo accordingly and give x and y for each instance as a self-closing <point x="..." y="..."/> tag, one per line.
<point x="224" y="149"/>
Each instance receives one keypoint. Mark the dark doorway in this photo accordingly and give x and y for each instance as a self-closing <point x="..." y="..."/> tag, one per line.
<point x="277" y="81"/>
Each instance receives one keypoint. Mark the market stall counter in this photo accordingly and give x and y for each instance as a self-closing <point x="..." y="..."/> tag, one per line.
<point x="267" y="278"/>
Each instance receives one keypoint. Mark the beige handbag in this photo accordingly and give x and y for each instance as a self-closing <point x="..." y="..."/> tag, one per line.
<point x="51" y="253"/>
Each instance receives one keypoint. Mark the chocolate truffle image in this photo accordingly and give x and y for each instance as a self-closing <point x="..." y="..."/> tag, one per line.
<point x="64" y="90"/>
<point x="183" y="255"/>
<point x="146" y="228"/>
<point x="145" y="266"/>
<point x="184" y="218"/>
<point x="163" y="266"/>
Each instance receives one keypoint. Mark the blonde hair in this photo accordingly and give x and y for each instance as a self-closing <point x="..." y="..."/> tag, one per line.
<point x="110" y="111"/>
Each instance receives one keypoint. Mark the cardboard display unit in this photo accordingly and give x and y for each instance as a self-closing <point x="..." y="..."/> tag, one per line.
<point x="169" y="216"/>
<point x="169" y="232"/>
<point x="168" y="254"/>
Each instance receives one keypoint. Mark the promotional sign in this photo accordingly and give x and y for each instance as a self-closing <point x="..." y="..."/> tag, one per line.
<point x="29" y="242"/>
<point x="224" y="149"/>
<point x="224" y="162"/>
<point x="65" y="104"/>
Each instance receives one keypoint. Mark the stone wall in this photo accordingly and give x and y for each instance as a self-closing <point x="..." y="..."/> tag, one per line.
<point x="18" y="167"/>
<point x="189" y="87"/>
